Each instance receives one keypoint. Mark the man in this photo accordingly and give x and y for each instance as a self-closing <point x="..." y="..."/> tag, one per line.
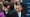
<point x="17" y="12"/>
<point x="23" y="5"/>
<point x="18" y="9"/>
<point x="8" y="9"/>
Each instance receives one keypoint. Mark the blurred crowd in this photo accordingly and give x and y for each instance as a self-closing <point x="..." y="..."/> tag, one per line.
<point x="11" y="8"/>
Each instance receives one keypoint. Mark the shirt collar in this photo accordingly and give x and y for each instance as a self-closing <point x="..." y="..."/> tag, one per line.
<point x="19" y="12"/>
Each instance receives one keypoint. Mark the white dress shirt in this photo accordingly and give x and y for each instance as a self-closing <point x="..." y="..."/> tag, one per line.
<point x="19" y="14"/>
<point x="6" y="12"/>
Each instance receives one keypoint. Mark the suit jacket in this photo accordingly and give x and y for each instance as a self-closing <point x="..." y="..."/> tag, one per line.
<point x="8" y="14"/>
<point x="22" y="14"/>
<point x="16" y="15"/>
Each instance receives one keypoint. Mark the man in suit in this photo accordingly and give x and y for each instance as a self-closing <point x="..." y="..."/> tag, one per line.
<point x="18" y="9"/>
<point x="8" y="8"/>
<point x="22" y="7"/>
<point x="17" y="13"/>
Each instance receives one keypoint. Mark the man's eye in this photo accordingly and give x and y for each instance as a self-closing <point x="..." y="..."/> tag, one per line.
<point x="17" y="8"/>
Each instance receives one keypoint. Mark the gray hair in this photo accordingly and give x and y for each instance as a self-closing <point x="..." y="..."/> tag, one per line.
<point x="19" y="5"/>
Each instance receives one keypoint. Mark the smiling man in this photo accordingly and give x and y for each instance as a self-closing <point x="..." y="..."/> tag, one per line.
<point x="18" y="9"/>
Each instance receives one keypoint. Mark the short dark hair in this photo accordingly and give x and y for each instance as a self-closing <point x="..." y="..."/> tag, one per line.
<point x="11" y="5"/>
<point x="15" y="3"/>
<point x="5" y="5"/>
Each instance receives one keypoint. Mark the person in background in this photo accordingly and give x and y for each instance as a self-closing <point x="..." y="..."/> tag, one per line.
<point x="8" y="9"/>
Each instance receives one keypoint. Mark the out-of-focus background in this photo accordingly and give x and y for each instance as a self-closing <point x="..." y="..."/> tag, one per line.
<point x="26" y="2"/>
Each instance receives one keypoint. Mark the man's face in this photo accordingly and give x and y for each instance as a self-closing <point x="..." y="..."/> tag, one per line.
<point x="18" y="8"/>
<point x="4" y="8"/>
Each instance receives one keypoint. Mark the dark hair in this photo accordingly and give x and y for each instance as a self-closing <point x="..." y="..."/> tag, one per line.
<point x="5" y="5"/>
<point x="16" y="3"/>
<point x="11" y="5"/>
